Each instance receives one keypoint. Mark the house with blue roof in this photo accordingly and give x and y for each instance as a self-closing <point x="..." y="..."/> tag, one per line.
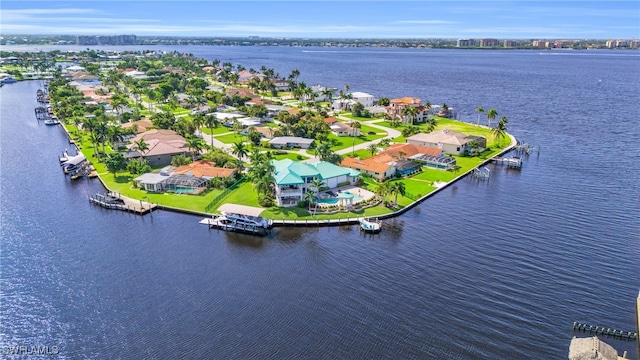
<point x="293" y="178"/>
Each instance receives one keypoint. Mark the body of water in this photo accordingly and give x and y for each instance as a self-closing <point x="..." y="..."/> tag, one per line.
<point x="498" y="269"/>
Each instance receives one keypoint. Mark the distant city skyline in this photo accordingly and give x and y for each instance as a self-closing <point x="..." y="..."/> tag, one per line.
<point x="327" y="19"/>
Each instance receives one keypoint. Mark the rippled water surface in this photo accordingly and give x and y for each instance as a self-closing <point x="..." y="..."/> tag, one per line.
<point x="496" y="269"/>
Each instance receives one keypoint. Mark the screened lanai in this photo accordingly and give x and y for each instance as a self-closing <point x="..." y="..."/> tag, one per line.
<point x="186" y="184"/>
<point x="438" y="162"/>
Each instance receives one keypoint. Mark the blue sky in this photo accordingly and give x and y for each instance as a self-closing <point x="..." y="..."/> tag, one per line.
<point x="320" y="19"/>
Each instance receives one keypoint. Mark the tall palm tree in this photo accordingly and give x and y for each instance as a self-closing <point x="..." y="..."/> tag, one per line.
<point x="491" y="114"/>
<point x="101" y="132"/>
<point x="141" y="146"/>
<point x="240" y="150"/>
<point x="356" y="125"/>
<point x="316" y="184"/>
<point x="396" y="188"/>
<point x="479" y="110"/>
<point x="309" y="197"/>
<point x="500" y="130"/>
<point x="212" y="122"/>
<point x="197" y="120"/>
<point x="195" y="144"/>
<point x="383" y="189"/>
<point x="115" y="133"/>
<point x="411" y="112"/>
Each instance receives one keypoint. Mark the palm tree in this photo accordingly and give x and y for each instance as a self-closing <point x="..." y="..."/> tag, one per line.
<point x="309" y="197"/>
<point x="196" y="144"/>
<point x="115" y="133"/>
<point x="141" y="146"/>
<point x="101" y="132"/>
<point x="500" y="130"/>
<point x="491" y="114"/>
<point x="383" y="189"/>
<point x="479" y="110"/>
<point x="355" y="125"/>
<point x="239" y="150"/>
<point x="95" y="139"/>
<point x="372" y="148"/>
<point x="396" y="188"/>
<point x="212" y="122"/>
<point x="316" y="184"/>
<point x="77" y="121"/>
<point x="411" y="112"/>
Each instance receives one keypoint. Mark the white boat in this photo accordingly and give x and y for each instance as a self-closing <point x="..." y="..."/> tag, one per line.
<point x="72" y="163"/>
<point x="51" y="121"/>
<point x="370" y="226"/>
<point x="238" y="222"/>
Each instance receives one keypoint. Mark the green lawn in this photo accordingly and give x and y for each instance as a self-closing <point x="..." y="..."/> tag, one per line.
<point x="244" y="194"/>
<point x="348" y="141"/>
<point x="454" y="125"/>
<point x="231" y="138"/>
<point x="216" y="131"/>
<point x="177" y="111"/>
<point x="362" y="154"/>
<point x="364" y="130"/>
<point x="122" y="181"/>
<point x="290" y="155"/>
<point x="418" y="185"/>
<point x="361" y="119"/>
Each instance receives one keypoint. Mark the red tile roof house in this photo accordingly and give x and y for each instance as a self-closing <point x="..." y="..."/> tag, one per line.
<point x="397" y="106"/>
<point x="379" y="167"/>
<point x="163" y="146"/>
<point x="189" y="179"/>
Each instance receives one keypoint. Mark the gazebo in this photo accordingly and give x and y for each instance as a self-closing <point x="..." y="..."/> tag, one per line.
<point x="345" y="198"/>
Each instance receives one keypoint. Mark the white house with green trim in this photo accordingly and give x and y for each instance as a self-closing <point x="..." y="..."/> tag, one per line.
<point x="293" y="178"/>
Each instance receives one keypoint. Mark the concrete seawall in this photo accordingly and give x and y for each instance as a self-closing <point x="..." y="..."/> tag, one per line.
<point x="328" y="222"/>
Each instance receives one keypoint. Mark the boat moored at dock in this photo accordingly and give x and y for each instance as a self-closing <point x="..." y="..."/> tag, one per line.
<point x="370" y="226"/>
<point x="238" y="222"/>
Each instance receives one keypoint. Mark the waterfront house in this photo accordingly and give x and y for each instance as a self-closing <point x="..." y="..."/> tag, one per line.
<point x="189" y="179"/>
<point x="244" y="77"/>
<point x="396" y="109"/>
<point x="293" y="179"/>
<point x="363" y="98"/>
<point x="379" y="167"/>
<point x="430" y="157"/>
<point x="287" y="142"/>
<point x="356" y="97"/>
<point x="281" y="84"/>
<point x="163" y="146"/>
<point x="451" y="142"/>
<point x="152" y="182"/>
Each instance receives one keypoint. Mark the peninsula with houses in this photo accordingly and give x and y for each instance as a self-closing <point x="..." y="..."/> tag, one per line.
<point x="192" y="135"/>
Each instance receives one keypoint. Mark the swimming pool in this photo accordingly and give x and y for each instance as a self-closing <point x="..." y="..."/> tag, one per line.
<point x="342" y="195"/>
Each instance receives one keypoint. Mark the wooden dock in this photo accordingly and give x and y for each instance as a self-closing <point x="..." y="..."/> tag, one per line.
<point x="122" y="203"/>
<point x="598" y="330"/>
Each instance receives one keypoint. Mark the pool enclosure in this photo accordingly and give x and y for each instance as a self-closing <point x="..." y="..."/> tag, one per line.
<point x="185" y="184"/>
